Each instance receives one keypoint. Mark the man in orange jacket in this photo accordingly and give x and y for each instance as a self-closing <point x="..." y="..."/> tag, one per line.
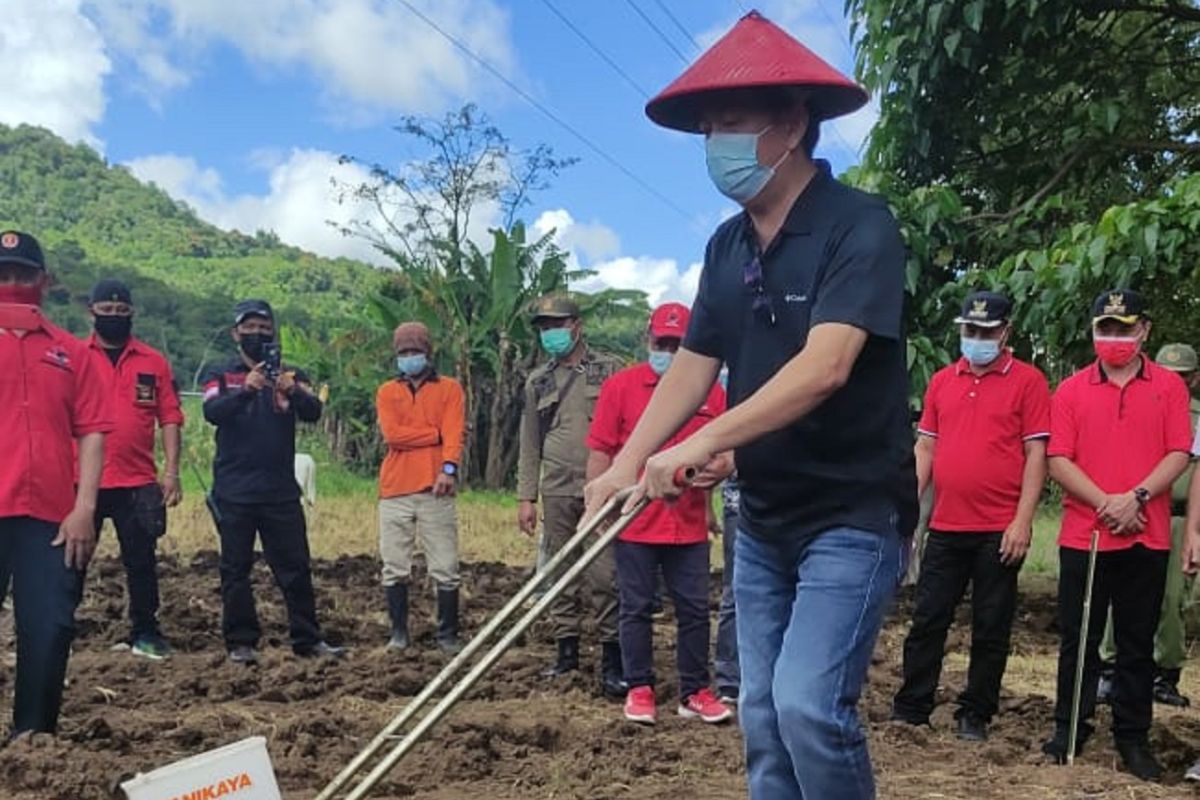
<point x="421" y="418"/>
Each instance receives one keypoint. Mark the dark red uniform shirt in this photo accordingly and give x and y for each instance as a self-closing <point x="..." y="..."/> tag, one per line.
<point x="50" y="394"/>
<point x="981" y="423"/>
<point x="623" y="399"/>
<point x="1117" y="436"/>
<point x="144" y="395"/>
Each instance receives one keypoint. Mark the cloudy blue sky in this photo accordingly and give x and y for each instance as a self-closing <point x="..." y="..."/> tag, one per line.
<point x="242" y="107"/>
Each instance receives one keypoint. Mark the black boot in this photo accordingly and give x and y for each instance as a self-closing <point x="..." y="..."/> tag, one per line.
<point x="1056" y="745"/>
<point x="447" y="609"/>
<point x="612" y="673"/>
<point x="1166" y="689"/>
<point x="1139" y="760"/>
<point x="568" y="658"/>
<point x="397" y="602"/>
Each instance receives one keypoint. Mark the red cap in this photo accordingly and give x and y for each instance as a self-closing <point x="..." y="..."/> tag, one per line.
<point x="755" y="54"/>
<point x="670" y="321"/>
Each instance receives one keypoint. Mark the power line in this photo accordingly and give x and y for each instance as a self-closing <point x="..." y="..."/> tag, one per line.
<point x="555" y="118"/>
<point x="658" y="30"/>
<point x="596" y="49"/>
<point x="686" y="33"/>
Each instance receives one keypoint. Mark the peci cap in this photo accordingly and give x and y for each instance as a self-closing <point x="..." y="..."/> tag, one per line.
<point x="985" y="310"/>
<point x="21" y="248"/>
<point x="669" y="321"/>
<point x="1178" y="358"/>
<point x="555" y="306"/>
<point x="110" y="290"/>
<point x="1123" y="305"/>
<point x="252" y="308"/>
<point x="755" y="54"/>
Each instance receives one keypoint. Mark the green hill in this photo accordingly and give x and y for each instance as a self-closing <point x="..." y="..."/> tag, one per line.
<point x="96" y="220"/>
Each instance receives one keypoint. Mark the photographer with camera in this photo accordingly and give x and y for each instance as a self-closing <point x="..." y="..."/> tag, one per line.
<point x="254" y="402"/>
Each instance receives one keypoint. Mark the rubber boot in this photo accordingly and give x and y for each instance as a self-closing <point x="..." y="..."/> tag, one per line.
<point x="568" y="658"/>
<point x="612" y="673"/>
<point x="447" y="612"/>
<point x="397" y="602"/>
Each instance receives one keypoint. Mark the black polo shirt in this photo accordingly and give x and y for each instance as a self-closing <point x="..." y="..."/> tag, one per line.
<point x="839" y="258"/>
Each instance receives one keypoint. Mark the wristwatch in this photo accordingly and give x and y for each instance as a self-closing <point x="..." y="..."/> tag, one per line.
<point x="450" y="468"/>
<point x="1142" y="495"/>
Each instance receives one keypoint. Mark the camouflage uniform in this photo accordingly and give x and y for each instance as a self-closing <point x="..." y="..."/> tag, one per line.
<point x="559" y="403"/>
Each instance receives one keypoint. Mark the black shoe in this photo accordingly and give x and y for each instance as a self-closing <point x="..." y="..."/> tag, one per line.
<point x="612" y="672"/>
<point x="1166" y="689"/>
<point x="397" y="602"/>
<point x="908" y="719"/>
<point x="243" y="654"/>
<point x="319" y="650"/>
<point x="1140" y="761"/>
<point x="568" y="658"/>
<point x="972" y="729"/>
<point x="447" y="613"/>
<point x="1056" y="746"/>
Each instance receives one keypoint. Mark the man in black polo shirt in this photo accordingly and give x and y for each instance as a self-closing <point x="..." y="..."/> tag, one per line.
<point x="255" y="401"/>
<point x="801" y="295"/>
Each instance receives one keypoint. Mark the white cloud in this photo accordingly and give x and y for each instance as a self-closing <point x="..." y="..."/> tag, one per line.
<point x="593" y="246"/>
<point x="54" y="64"/>
<point x="374" y="55"/>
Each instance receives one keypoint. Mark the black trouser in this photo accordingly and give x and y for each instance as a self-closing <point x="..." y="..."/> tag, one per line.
<point x="685" y="568"/>
<point x="138" y="515"/>
<point x="951" y="561"/>
<point x="1132" y="581"/>
<point x="45" y="595"/>
<point x="285" y="547"/>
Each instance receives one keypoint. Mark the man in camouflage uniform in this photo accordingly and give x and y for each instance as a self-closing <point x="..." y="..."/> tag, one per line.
<point x="1169" y="644"/>
<point x="560" y="397"/>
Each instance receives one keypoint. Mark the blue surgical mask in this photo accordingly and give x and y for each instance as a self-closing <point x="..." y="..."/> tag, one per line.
<point x="660" y="360"/>
<point x="733" y="164"/>
<point x="412" y="366"/>
<point x="980" y="352"/>
<point x="557" y="341"/>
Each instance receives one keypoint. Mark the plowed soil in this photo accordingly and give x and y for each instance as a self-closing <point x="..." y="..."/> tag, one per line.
<point x="517" y="735"/>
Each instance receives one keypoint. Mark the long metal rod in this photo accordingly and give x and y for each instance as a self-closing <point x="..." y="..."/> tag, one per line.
<point x="498" y="650"/>
<point x="1081" y="653"/>
<point x="473" y="646"/>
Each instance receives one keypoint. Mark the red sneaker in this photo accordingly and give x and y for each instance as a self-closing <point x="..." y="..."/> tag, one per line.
<point x="639" y="705"/>
<point x="705" y="706"/>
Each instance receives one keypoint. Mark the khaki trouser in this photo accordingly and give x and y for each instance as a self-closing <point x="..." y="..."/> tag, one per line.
<point x="561" y="518"/>
<point x="404" y="519"/>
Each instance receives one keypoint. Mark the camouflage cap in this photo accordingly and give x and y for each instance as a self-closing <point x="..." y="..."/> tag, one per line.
<point x="1178" y="358"/>
<point x="555" y="306"/>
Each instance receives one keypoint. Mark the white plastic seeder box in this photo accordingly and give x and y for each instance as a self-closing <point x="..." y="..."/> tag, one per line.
<point x="239" y="771"/>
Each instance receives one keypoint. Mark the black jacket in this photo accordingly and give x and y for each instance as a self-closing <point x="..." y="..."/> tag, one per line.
<point x="256" y="436"/>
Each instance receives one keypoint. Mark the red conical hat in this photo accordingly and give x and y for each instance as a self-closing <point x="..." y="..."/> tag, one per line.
<point x="755" y="54"/>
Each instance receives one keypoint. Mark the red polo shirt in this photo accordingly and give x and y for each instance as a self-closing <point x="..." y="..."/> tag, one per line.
<point x="144" y="395"/>
<point x="981" y="423"/>
<point x="623" y="398"/>
<point x="50" y="394"/>
<point x="1117" y="436"/>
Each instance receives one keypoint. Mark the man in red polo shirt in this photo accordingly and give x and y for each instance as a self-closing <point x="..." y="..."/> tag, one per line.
<point x="51" y="402"/>
<point x="982" y="447"/>
<point x="1120" y="435"/>
<point x="144" y="396"/>
<point x="670" y="536"/>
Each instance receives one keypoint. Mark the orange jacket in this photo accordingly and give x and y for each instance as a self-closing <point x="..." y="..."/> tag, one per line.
<point x="423" y="430"/>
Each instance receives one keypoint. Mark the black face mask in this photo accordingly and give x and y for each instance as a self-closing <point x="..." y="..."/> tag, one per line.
<point x="253" y="345"/>
<point x="113" y="328"/>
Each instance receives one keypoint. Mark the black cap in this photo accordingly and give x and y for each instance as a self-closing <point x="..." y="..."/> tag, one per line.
<point x="252" y="308"/>
<point x="985" y="310"/>
<point x="1123" y="305"/>
<point x="111" y="290"/>
<point x="21" y="248"/>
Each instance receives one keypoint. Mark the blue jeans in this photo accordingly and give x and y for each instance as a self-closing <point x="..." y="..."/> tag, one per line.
<point x="45" y="594"/>
<point x="809" y="611"/>
<point x="725" y="665"/>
